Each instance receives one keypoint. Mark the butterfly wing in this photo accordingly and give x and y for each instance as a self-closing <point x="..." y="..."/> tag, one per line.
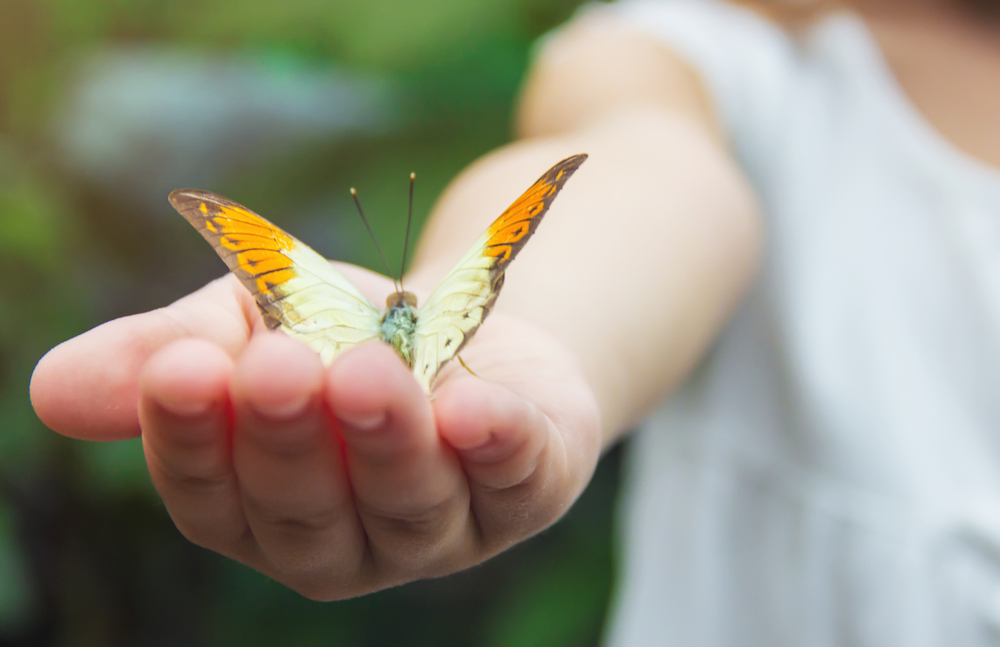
<point x="296" y="289"/>
<point x="460" y="304"/>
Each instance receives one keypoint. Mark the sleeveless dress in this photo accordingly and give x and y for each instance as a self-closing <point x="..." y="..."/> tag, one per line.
<point x="830" y="475"/>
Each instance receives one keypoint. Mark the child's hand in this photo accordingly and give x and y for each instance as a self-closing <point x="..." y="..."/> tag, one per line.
<point x="338" y="481"/>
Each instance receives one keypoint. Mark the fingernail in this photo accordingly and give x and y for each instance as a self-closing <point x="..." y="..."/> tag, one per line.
<point x="283" y="410"/>
<point x="185" y="408"/>
<point x="364" y="423"/>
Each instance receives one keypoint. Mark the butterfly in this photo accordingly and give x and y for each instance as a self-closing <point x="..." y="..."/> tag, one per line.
<point x="298" y="291"/>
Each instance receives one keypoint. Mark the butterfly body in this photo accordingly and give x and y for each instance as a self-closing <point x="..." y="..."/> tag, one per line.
<point x="399" y="324"/>
<point x="300" y="293"/>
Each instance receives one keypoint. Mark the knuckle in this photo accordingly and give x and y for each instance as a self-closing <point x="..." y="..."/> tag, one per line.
<point x="177" y="475"/>
<point x="277" y="519"/>
<point x="197" y="483"/>
<point x="428" y="521"/>
<point x="291" y="439"/>
<point x="430" y="542"/>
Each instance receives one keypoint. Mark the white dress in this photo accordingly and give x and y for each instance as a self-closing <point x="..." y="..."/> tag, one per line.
<point x="831" y="473"/>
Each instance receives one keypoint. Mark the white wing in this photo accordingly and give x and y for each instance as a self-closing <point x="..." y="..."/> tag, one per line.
<point x="460" y="304"/>
<point x="296" y="289"/>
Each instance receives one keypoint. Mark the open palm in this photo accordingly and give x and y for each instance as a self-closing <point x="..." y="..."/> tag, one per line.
<point x="334" y="481"/>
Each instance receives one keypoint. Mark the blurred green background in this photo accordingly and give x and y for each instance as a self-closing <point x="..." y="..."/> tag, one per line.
<point x="107" y="105"/>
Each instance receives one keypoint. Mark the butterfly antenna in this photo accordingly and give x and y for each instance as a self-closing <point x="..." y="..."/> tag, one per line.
<point x="406" y="241"/>
<point x="354" y="194"/>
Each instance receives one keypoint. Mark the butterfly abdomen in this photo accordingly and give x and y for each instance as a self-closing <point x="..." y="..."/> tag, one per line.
<point x="399" y="324"/>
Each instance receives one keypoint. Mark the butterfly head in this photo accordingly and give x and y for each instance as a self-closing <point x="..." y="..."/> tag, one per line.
<point x="399" y="299"/>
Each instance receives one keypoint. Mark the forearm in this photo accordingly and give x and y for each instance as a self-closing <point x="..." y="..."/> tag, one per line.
<point x="640" y="260"/>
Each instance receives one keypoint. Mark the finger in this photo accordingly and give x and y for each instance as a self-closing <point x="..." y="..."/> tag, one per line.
<point x="409" y="488"/>
<point x="498" y="434"/>
<point x="287" y="457"/>
<point x="87" y="387"/>
<point x="513" y="455"/>
<point x="183" y="408"/>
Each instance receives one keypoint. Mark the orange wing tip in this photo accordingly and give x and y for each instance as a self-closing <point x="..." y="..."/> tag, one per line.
<point x="518" y="222"/>
<point x="230" y="224"/>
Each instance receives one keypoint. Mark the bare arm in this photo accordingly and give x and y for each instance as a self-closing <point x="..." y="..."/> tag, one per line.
<point x="651" y="244"/>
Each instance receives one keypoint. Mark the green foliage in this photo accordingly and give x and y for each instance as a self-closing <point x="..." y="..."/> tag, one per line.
<point x="562" y="605"/>
<point x="37" y="304"/>
<point x="17" y="596"/>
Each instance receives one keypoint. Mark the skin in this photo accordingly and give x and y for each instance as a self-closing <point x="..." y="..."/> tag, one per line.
<point x="341" y="481"/>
